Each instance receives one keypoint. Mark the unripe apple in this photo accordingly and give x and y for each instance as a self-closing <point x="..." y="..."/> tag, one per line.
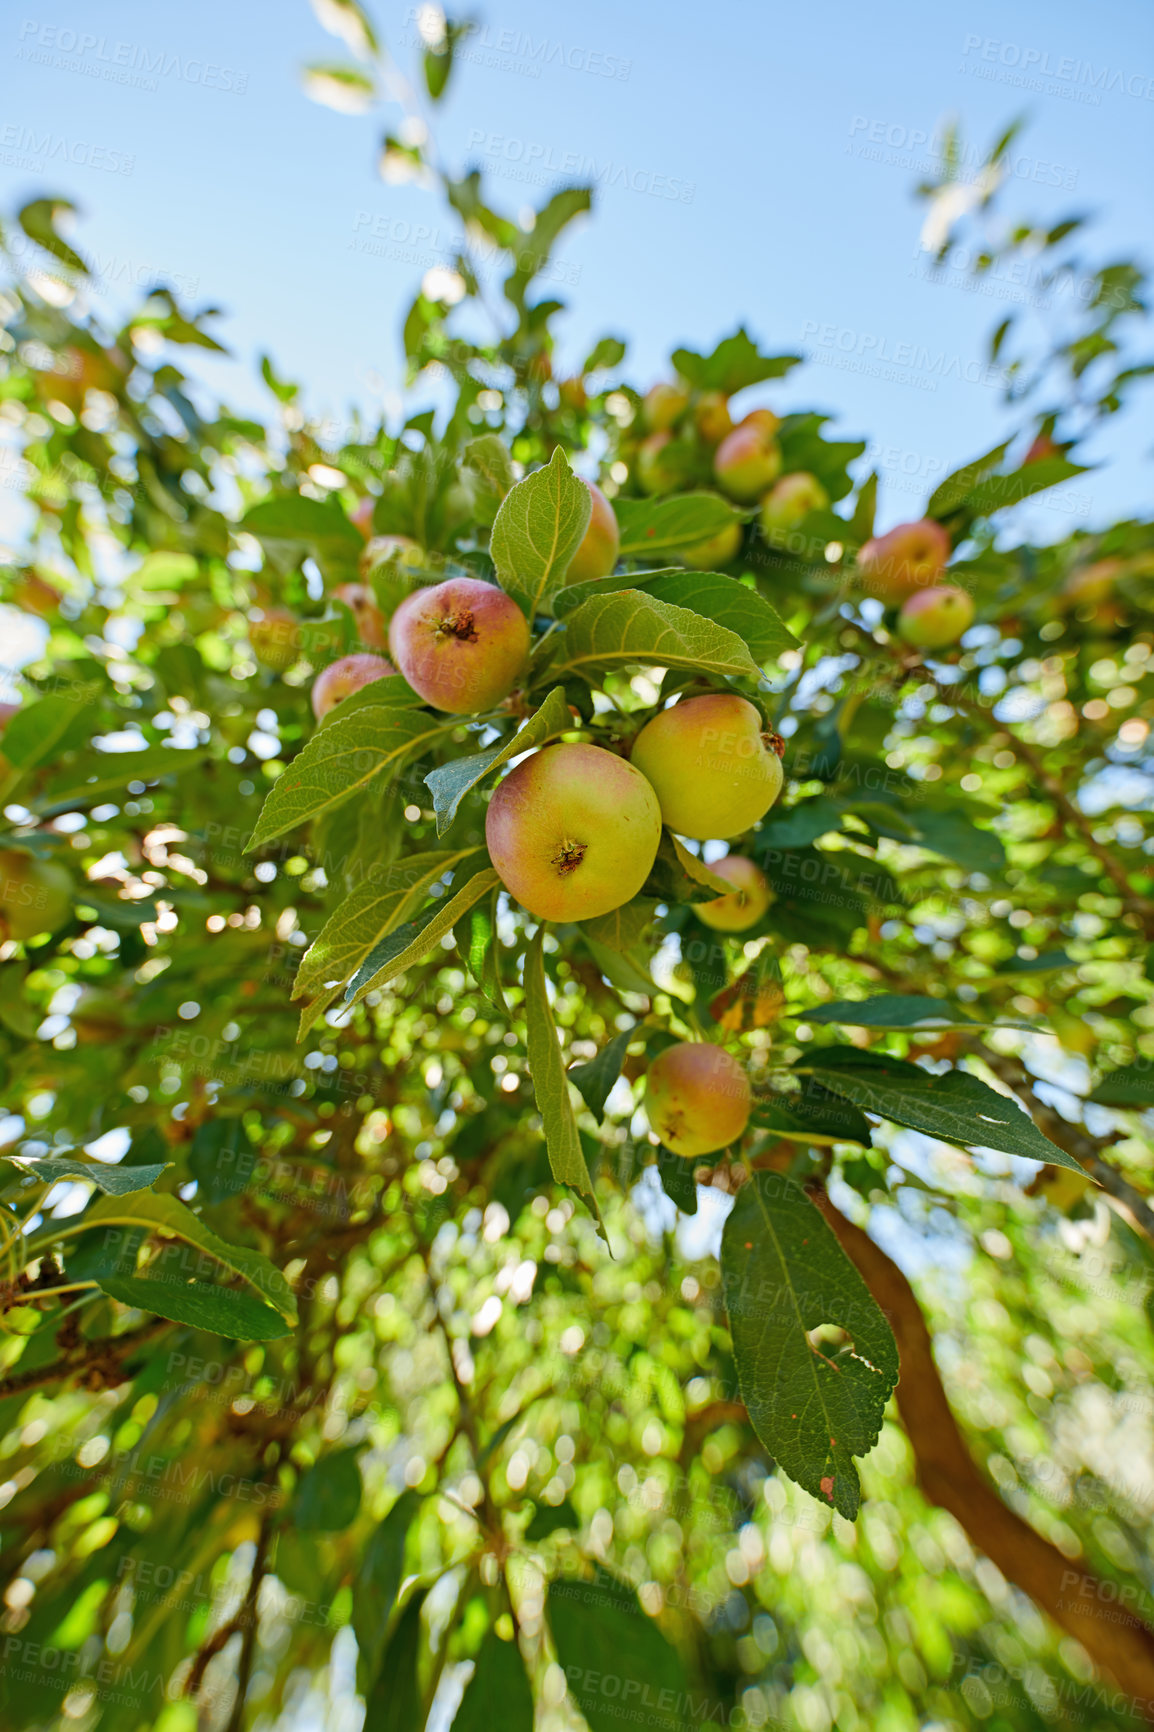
<point x="362" y="515"/>
<point x="597" y="554"/>
<point x="746" y="902"/>
<point x="1089" y="584"/>
<point x="791" y="499"/>
<point x="715" y="551"/>
<point x="275" y="639"/>
<point x="386" y="549"/>
<point x="908" y="557"/>
<point x="656" y="473"/>
<point x="663" y="406"/>
<point x="712" y="418"/>
<point x="460" y="644"/>
<point x="747" y="461"/>
<point x="362" y="604"/>
<point x="933" y="618"/>
<point x="573" y="394"/>
<point x="345" y="676"/>
<point x="697" y="1098"/>
<point x="35" y="895"/>
<point x="715" y="769"/>
<point x="763" y="418"/>
<point x="573" y="832"/>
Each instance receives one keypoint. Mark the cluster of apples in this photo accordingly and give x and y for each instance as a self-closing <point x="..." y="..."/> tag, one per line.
<point x="902" y="569"/>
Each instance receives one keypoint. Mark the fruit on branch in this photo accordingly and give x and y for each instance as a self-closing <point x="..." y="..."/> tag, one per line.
<point x="573" y="832"/>
<point x="714" y="551"/>
<point x="362" y="515"/>
<point x="362" y="604"/>
<point x="391" y="549"/>
<point x="745" y="903"/>
<point x="1089" y="584"/>
<point x="789" y="500"/>
<point x="711" y="417"/>
<point x="697" y="1098"/>
<point x="460" y="644"/>
<point x="275" y="639"/>
<point x="715" y="767"/>
<point x="933" y="618"/>
<point x="662" y="406"/>
<point x="347" y="675"/>
<point x="597" y="554"/>
<point x="748" y="460"/>
<point x="908" y="557"/>
<point x="656" y="471"/>
<point x="35" y="895"/>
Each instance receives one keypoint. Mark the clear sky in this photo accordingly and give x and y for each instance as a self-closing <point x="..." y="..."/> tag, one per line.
<point x="760" y="161"/>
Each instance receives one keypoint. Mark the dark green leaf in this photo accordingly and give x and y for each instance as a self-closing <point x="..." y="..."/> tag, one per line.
<point x="379" y="1581"/>
<point x="595" y="1080"/>
<point x="449" y="783"/>
<point x="1132" y="1085"/>
<point x="329" y="1494"/>
<point x="676" y="1175"/>
<point x="394" y="1703"/>
<point x="498" y="1697"/>
<point x="220" y="1310"/>
<point x="114" y="1181"/>
<point x="897" y="1010"/>
<point x="550" y="1083"/>
<point x="612" y="1654"/>
<point x="548" y="1517"/>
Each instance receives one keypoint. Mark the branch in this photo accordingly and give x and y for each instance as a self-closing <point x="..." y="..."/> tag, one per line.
<point x="947" y="1474"/>
<point x="99" y="1361"/>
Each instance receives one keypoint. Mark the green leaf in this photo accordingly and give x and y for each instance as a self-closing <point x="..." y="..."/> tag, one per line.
<point x="656" y="528"/>
<point x="538" y="529"/>
<point x="329" y="1494"/>
<point x="900" y="1010"/>
<point x="168" y="1215"/>
<point x="956" y="838"/>
<point x="98" y="774"/>
<point x="219" y="1310"/>
<point x="951" y="492"/>
<point x="728" y="603"/>
<point x="784" y="1275"/>
<point x="379" y="1581"/>
<point x="449" y="783"/>
<point x="955" y="1107"/>
<point x="676" y="1175"/>
<point x="394" y="1703"/>
<point x="499" y="1694"/>
<point x="735" y="363"/>
<point x="319" y="524"/>
<point x="340" y="760"/>
<point x="345" y="88"/>
<point x="617" y="943"/>
<point x="489" y="458"/>
<point x="484" y="953"/>
<point x="1132" y="1085"/>
<point x="998" y="492"/>
<point x="612" y="1654"/>
<point x="798" y="826"/>
<point x="113" y="1181"/>
<point x="550" y="1083"/>
<point x="595" y="1080"/>
<point x="812" y="1116"/>
<point x="413" y="941"/>
<point x="549" y="1517"/>
<point x="43" y="730"/>
<point x="696" y="870"/>
<point x="631" y="628"/>
<point x="40" y="219"/>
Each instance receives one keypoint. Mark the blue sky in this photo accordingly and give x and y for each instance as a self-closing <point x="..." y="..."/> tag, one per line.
<point x="760" y="162"/>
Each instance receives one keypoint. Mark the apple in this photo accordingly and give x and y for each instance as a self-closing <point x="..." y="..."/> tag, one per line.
<point x="274" y="639"/>
<point x="656" y="473"/>
<point x="1090" y="584"/>
<point x="697" y="1098"/>
<point x="715" y="768"/>
<point x="908" y="557"/>
<point x="933" y="618"/>
<point x="362" y="515"/>
<point x="597" y="554"/>
<point x="345" y="676"/>
<point x="573" y="832"/>
<point x="386" y="549"/>
<point x="32" y="594"/>
<point x="662" y="406"/>
<point x="573" y="394"/>
<point x="763" y="418"/>
<point x="460" y="644"/>
<point x="746" y="902"/>
<point x="35" y="896"/>
<point x="362" y="604"/>
<point x="714" y="551"/>
<point x="789" y="501"/>
<point x="711" y="417"/>
<point x="748" y="460"/>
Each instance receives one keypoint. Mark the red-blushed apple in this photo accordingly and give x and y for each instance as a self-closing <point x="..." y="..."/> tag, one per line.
<point x="656" y="473"/>
<point x="789" y="500"/>
<point x="697" y="1098"/>
<point x="745" y="903"/>
<point x="461" y="644"/>
<point x="711" y="417"/>
<point x="933" y="618"/>
<point x="597" y="554"/>
<point x="35" y="895"/>
<point x="713" y="763"/>
<point x="345" y="676"/>
<point x="663" y="406"/>
<point x="370" y="621"/>
<point x="715" y="551"/>
<point x="573" y="832"/>
<point x="908" y="557"/>
<point x="275" y="639"/>
<point x="362" y="515"/>
<point x="387" y="549"/>
<point x="748" y="460"/>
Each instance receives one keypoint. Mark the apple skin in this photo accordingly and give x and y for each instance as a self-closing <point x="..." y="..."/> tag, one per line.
<point x="597" y="554"/>
<point x="362" y="515"/>
<point x="655" y="473"/>
<point x="711" y="417"/>
<point x="274" y="639"/>
<point x="746" y="903"/>
<point x="362" y="604"/>
<point x="789" y="501"/>
<point x="933" y="618"/>
<point x="697" y="1098"/>
<point x="1090" y="584"/>
<point x="381" y="549"/>
<point x="712" y="764"/>
<point x="343" y="677"/>
<point x="716" y="551"/>
<point x="747" y="461"/>
<point x="573" y="832"/>
<point x="461" y="644"/>
<point x="663" y="406"/>
<point x="35" y="895"/>
<point x="908" y="557"/>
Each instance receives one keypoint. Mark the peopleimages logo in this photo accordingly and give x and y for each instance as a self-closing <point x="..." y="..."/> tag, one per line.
<point x="34" y="149"/>
<point x="539" y="163"/>
<point x="120" y="62"/>
<point x="1034" y="64"/>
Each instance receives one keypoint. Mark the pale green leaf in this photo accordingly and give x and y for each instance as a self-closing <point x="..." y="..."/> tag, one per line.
<point x="413" y="941"/>
<point x="450" y="782"/>
<point x="538" y="529"/>
<point x="658" y="528"/>
<point x="550" y="1083"/>
<point x="632" y="628"/>
<point x="113" y="1181"/>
